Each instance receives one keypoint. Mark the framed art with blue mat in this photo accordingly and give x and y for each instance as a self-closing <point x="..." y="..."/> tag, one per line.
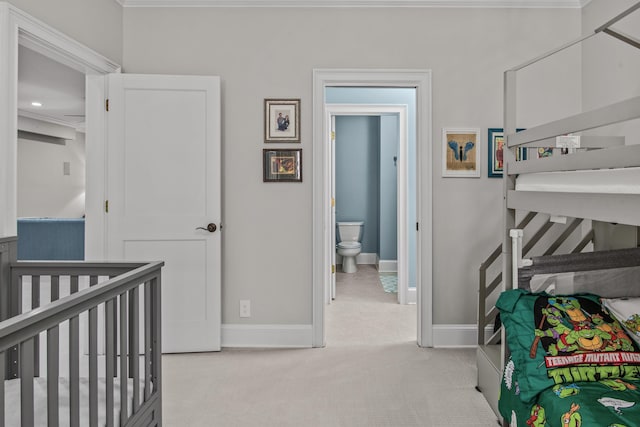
<point x="495" y="145"/>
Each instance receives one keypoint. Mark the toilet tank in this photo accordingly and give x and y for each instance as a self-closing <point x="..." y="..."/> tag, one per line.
<point x="350" y="231"/>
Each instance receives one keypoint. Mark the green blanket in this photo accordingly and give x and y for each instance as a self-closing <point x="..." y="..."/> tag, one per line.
<point x="606" y="403"/>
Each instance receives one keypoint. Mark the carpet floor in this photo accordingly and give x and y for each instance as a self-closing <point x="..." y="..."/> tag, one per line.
<point x="371" y="373"/>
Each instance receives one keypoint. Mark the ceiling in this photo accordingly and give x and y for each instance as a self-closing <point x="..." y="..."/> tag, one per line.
<point x="60" y="90"/>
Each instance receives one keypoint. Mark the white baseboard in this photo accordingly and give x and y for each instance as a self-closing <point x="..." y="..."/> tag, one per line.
<point x="457" y="335"/>
<point x="387" y="266"/>
<point x="261" y="336"/>
<point x="364" y="258"/>
<point x="412" y="296"/>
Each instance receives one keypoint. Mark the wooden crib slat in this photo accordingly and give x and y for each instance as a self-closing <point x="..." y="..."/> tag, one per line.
<point x="93" y="367"/>
<point x="157" y="343"/>
<point x="2" y="379"/>
<point x="26" y="383"/>
<point x="74" y="363"/>
<point x="53" y="374"/>
<point x="109" y="358"/>
<point x="13" y="369"/>
<point x="73" y="284"/>
<point x="147" y="340"/>
<point x="35" y="303"/>
<point x="134" y="345"/>
<point x="124" y="377"/>
<point x="55" y="288"/>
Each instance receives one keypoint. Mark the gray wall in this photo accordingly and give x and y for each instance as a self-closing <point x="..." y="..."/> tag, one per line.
<point x="358" y="175"/>
<point x="262" y="53"/>
<point x="94" y="23"/>
<point x="43" y="189"/>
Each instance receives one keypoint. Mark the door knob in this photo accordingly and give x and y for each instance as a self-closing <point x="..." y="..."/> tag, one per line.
<point x="211" y="227"/>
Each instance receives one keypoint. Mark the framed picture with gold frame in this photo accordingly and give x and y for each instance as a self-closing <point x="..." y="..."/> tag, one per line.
<point x="281" y="120"/>
<point x="281" y="165"/>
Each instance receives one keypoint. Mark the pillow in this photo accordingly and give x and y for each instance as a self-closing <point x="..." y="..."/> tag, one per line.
<point x="564" y="339"/>
<point x="627" y="311"/>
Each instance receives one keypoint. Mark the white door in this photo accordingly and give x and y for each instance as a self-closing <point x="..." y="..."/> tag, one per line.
<point x="163" y="184"/>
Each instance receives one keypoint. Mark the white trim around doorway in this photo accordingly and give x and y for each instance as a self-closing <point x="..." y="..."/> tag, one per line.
<point x="20" y="28"/>
<point x="321" y="273"/>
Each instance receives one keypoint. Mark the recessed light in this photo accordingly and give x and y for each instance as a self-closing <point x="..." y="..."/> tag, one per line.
<point x="36" y="104"/>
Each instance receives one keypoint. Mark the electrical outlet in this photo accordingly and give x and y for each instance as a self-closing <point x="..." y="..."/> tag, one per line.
<point x="245" y="308"/>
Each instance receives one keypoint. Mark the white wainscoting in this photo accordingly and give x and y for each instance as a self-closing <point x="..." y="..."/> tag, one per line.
<point x="261" y="336"/>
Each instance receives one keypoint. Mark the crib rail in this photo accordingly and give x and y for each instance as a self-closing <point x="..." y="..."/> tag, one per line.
<point x="120" y="302"/>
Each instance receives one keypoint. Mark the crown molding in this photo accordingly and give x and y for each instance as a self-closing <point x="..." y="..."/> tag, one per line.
<point x="529" y="4"/>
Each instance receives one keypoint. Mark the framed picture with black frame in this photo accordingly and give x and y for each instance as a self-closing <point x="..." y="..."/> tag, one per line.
<point x="281" y="165"/>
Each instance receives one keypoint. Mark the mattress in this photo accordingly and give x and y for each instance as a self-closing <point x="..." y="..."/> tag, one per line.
<point x="612" y="181"/>
<point x="12" y="401"/>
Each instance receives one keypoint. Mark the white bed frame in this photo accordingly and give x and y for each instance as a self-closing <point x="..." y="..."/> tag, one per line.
<point x="611" y="208"/>
<point x="102" y="326"/>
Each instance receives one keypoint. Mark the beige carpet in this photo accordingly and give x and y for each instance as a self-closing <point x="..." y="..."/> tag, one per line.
<point x="370" y="374"/>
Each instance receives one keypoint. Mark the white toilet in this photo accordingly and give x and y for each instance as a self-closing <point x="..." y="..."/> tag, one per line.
<point x="349" y="246"/>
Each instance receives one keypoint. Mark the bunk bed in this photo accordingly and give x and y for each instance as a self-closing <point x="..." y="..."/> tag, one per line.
<point x="79" y="342"/>
<point x="587" y="184"/>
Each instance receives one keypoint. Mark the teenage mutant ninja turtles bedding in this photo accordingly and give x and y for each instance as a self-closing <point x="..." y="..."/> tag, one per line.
<point x="571" y="363"/>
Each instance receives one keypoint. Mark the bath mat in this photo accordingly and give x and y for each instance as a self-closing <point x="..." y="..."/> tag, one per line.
<point x="389" y="282"/>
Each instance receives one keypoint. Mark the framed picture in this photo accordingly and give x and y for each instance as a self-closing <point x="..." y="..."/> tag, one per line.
<point x="460" y="152"/>
<point x="545" y="152"/>
<point x="495" y="145"/>
<point x="281" y="120"/>
<point x="281" y="165"/>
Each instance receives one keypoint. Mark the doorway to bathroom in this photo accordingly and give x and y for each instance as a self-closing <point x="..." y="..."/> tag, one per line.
<point x="419" y="82"/>
<point x="371" y="184"/>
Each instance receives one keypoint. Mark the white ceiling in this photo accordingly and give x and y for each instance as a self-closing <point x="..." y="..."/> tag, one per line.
<point x="59" y="88"/>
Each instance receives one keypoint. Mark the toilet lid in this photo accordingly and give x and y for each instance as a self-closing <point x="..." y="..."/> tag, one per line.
<point x="349" y="245"/>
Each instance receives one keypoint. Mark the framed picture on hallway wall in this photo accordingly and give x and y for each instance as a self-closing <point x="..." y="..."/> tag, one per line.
<point x="495" y="146"/>
<point x="281" y="120"/>
<point x="282" y="165"/>
<point x="461" y="152"/>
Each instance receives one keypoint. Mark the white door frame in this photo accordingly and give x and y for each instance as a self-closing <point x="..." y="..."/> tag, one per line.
<point x="321" y="272"/>
<point x="333" y="110"/>
<point x="19" y="28"/>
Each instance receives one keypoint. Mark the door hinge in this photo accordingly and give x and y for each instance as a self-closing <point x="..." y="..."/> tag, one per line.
<point x="333" y="269"/>
<point x="106" y="104"/>
<point x="106" y="206"/>
<point x="417" y="226"/>
<point x="333" y="202"/>
<point x="333" y="135"/>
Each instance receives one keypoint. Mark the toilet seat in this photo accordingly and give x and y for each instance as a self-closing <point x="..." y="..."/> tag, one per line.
<point x="349" y="245"/>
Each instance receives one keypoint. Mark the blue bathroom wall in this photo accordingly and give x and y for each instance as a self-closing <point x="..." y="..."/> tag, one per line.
<point x="392" y="96"/>
<point x="388" y="196"/>
<point x="357" y="175"/>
